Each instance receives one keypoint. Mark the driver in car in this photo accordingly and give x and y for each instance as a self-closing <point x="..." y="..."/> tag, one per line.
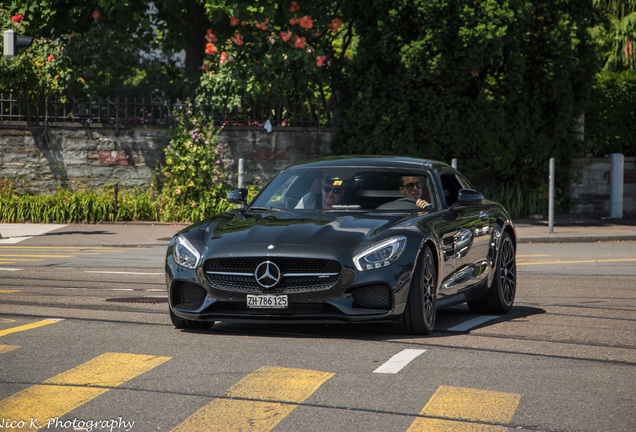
<point x="412" y="187"/>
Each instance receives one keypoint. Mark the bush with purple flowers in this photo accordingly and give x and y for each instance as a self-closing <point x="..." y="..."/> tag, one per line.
<point x="193" y="181"/>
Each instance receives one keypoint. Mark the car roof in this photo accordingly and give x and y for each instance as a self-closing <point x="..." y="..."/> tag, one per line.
<point x="371" y="161"/>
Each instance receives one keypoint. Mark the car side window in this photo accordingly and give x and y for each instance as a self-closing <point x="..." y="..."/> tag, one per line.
<point x="451" y="186"/>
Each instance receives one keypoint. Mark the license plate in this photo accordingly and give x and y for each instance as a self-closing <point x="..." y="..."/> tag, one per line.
<point x="267" y="301"/>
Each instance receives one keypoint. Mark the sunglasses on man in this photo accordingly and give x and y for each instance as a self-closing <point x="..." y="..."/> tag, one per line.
<point x="336" y="191"/>
<point x="413" y="185"/>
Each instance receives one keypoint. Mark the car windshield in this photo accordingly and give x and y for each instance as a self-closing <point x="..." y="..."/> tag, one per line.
<point x="347" y="189"/>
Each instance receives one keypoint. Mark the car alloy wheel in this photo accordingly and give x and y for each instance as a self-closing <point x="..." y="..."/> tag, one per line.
<point x="421" y="307"/>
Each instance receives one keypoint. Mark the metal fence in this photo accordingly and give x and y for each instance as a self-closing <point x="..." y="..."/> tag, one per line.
<point x="131" y="112"/>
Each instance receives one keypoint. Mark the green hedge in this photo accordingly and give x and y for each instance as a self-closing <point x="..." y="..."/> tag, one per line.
<point x="610" y="120"/>
<point x="493" y="84"/>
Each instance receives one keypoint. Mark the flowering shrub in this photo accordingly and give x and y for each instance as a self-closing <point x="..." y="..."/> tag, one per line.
<point x="91" y="63"/>
<point x="271" y="54"/>
<point x="193" y="178"/>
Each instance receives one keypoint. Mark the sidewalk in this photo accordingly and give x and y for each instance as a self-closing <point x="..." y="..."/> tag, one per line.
<point x="158" y="234"/>
<point x="576" y="231"/>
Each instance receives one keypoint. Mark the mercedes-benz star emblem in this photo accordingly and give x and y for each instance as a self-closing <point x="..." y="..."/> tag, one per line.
<point x="267" y="274"/>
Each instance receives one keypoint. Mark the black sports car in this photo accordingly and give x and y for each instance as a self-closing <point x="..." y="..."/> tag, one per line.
<point x="346" y="240"/>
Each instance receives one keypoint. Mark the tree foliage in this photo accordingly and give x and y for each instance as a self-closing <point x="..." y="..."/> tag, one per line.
<point x="615" y="33"/>
<point x="270" y="52"/>
<point x="494" y="84"/>
<point x="609" y="121"/>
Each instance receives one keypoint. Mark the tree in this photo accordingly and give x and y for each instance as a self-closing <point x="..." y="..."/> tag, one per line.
<point x="494" y="84"/>
<point x="616" y="34"/>
<point x="272" y="52"/>
<point x="97" y="44"/>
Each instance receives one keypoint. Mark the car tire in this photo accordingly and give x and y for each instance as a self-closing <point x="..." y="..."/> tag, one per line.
<point x="419" y="315"/>
<point x="182" y="323"/>
<point x="501" y="294"/>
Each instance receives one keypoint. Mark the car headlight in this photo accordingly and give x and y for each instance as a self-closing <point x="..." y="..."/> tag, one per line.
<point x="185" y="254"/>
<point x="381" y="254"/>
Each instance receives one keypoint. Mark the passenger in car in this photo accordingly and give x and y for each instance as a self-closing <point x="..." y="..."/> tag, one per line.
<point x="331" y="192"/>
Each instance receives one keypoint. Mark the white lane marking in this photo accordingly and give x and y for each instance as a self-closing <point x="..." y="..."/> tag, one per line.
<point x="9" y="269"/>
<point x="399" y="361"/>
<point x="467" y="325"/>
<point x="124" y="273"/>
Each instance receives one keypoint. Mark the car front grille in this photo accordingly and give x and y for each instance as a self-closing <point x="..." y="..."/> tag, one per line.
<point x="297" y="275"/>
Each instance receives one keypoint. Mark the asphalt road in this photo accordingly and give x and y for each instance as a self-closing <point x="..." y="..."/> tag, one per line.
<point x="86" y="344"/>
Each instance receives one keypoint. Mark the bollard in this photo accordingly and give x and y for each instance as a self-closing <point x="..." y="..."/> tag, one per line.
<point x="551" y="198"/>
<point x="617" y="167"/>
<point x="116" y="193"/>
<point x="240" y="173"/>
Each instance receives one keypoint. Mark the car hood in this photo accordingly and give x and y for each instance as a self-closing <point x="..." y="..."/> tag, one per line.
<point x="258" y="232"/>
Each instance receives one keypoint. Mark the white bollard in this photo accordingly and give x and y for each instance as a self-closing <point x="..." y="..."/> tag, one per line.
<point x="551" y="197"/>
<point x="240" y="173"/>
<point x="617" y="169"/>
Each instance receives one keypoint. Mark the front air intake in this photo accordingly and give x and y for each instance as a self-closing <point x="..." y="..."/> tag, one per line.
<point x="187" y="296"/>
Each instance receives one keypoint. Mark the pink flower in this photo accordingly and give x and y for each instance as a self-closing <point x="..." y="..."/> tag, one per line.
<point x="286" y="35"/>
<point x="335" y="25"/>
<point x="306" y="22"/>
<point x="51" y="57"/>
<point x="294" y="7"/>
<point x="223" y="57"/>
<point x="211" y="37"/>
<point x="96" y="14"/>
<point x="210" y="49"/>
<point x="234" y="21"/>
<point x="320" y="60"/>
<point x="263" y="25"/>
<point x="17" y="18"/>
<point x="238" y="39"/>
<point x="300" y="42"/>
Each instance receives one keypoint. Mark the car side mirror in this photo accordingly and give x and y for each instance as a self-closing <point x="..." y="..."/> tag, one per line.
<point x="470" y="197"/>
<point x="238" y="196"/>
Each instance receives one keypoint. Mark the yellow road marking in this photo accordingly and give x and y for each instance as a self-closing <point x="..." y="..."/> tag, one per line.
<point x="28" y="326"/>
<point x="73" y="250"/>
<point x="39" y="256"/>
<point x="8" y="291"/>
<point x="7" y="348"/>
<point x="9" y="261"/>
<point x="263" y="399"/>
<point x="578" y="262"/>
<point x="64" y="392"/>
<point x="466" y="405"/>
<point x="108" y="370"/>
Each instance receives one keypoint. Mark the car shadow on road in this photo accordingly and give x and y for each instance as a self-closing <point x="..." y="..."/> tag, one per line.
<point x="449" y="323"/>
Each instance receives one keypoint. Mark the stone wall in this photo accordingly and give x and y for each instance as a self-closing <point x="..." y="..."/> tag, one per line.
<point x="41" y="160"/>
<point x="590" y="189"/>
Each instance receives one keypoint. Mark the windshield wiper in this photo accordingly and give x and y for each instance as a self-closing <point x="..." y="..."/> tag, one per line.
<point x="265" y="208"/>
